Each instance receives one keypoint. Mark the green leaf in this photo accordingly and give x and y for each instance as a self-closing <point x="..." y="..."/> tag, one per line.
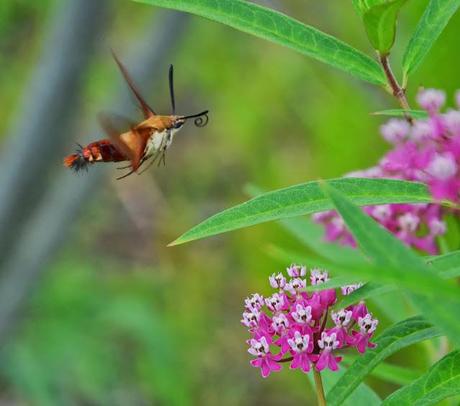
<point x="363" y="395"/>
<point x="306" y="198"/>
<point x="388" y="275"/>
<point x="385" y="249"/>
<point x="430" y="26"/>
<point x="389" y="372"/>
<point x="366" y="291"/>
<point x="281" y="29"/>
<point x="380" y="24"/>
<point x="440" y="382"/>
<point x="417" y="114"/>
<point x="448" y="265"/>
<point x="393" y="339"/>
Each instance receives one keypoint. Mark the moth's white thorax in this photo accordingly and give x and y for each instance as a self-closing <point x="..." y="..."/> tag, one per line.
<point x="160" y="141"/>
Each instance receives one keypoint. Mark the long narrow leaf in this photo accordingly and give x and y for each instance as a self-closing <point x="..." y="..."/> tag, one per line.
<point x="281" y="29"/>
<point x="430" y="26"/>
<point x="306" y="198"/>
<point x="385" y="249"/>
<point x="393" y="339"/>
<point x="440" y="382"/>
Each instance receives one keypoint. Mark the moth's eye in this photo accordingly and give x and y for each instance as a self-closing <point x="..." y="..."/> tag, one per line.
<point x="178" y="124"/>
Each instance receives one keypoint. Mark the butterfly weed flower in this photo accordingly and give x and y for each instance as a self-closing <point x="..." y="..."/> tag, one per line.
<point x="301" y="328"/>
<point x="427" y="151"/>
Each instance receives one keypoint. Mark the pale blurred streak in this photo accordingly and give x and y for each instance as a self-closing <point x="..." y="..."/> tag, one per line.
<point x="30" y="251"/>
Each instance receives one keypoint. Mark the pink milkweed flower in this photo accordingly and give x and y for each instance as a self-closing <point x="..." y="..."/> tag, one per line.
<point x="341" y="318"/>
<point x="302" y="314"/>
<point x="254" y="302"/>
<point x="265" y="360"/>
<point x="431" y="100"/>
<point x="427" y="152"/>
<point x="327" y="359"/>
<point x="251" y="318"/>
<point x="452" y="122"/>
<point x="289" y="324"/>
<point x="367" y="326"/>
<point x="301" y="345"/>
<point x="296" y="271"/>
<point x="318" y="276"/>
<point x="277" y="281"/>
<point x="280" y="323"/>
<point x="395" y="130"/>
<point x="296" y="285"/>
<point x="358" y="311"/>
<point x="275" y="302"/>
<point x="346" y="290"/>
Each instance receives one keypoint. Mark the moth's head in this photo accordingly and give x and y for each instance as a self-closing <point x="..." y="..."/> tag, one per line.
<point x="177" y="122"/>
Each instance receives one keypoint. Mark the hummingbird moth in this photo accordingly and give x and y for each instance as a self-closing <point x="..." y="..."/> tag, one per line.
<point x="141" y="143"/>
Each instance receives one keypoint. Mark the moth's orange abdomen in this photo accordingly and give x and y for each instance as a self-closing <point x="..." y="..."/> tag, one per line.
<point x="98" y="151"/>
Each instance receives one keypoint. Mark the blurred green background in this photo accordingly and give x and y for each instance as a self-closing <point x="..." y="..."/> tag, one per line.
<point x="107" y="314"/>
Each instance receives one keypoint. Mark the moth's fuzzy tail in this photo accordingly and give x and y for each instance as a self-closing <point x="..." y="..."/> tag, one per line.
<point x="76" y="162"/>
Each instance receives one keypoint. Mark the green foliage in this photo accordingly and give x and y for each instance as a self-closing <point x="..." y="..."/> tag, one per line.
<point x="393" y="339"/>
<point x="440" y="382"/>
<point x="402" y="113"/>
<point x="429" y="28"/>
<point x="281" y="29"/>
<point x="363" y="395"/>
<point x="305" y="199"/>
<point x="386" y="250"/>
<point x="380" y="24"/>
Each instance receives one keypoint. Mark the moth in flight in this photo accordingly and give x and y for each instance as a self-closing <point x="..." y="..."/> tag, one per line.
<point x="144" y="142"/>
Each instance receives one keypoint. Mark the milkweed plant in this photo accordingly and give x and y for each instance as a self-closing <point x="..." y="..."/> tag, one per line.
<point x="386" y="228"/>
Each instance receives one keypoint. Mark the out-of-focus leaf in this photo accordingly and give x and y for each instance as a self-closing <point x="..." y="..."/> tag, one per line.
<point x="380" y="24"/>
<point x="448" y="265"/>
<point x="393" y="339"/>
<point x="363" y="395"/>
<point x="430" y="26"/>
<point x="401" y="113"/>
<point x="440" y="382"/>
<point x="281" y="29"/>
<point x="389" y="372"/>
<point x="385" y="249"/>
<point x="306" y="198"/>
<point x="368" y="290"/>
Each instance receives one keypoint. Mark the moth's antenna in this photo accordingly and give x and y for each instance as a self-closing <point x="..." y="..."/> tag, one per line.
<point x="171" y="89"/>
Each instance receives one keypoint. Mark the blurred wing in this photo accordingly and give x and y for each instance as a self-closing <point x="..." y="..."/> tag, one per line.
<point x="146" y="109"/>
<point x="131" y="143"/>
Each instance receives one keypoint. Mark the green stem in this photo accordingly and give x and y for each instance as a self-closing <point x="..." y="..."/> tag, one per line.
<point x="319" y="388"/>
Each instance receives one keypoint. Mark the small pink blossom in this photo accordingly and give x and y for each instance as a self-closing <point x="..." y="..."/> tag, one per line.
<point x="318" y="276"/>
<point x="296" y="271"/>
<point x="431" y="100"/>
<point x="300" y="345"/>
<point x="266" y="361"/>
<point x="395" y="130"/>
<point x="302" y="314"/>
<point x="346" y="290"/>
<point x="277" y="281"/>
<point x="328" y="343"/>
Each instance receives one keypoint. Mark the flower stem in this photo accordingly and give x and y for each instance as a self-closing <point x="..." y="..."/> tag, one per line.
<point x="398" y="91"/>
<point x="319" y="388"/>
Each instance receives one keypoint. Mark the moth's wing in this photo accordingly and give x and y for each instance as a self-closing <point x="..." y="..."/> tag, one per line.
<point x="115" y="125"/>
<point x="129" y="138"/>
<point x="146" y="109"/>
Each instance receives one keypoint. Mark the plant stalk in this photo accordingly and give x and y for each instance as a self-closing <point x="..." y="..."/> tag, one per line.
<point x="398" y="91"/>
<point x="319" y="388"/>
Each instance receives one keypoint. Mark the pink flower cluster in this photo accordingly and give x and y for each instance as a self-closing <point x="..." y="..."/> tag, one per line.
<point x="427" y="151"/>
<point x="297" y="327"/>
